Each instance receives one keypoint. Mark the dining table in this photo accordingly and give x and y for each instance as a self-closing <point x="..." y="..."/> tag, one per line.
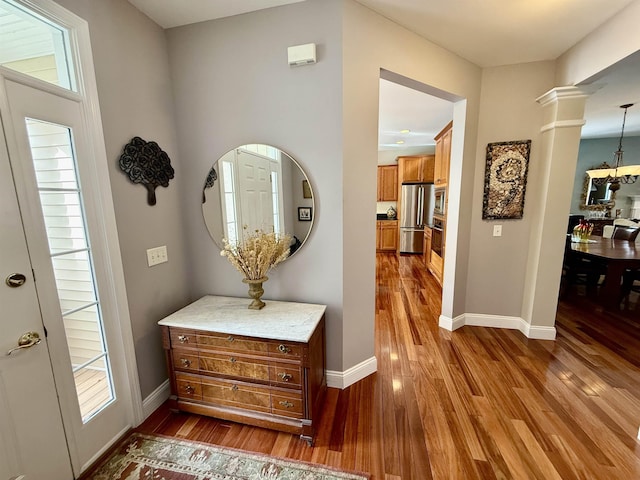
<point x="618" y="256"/>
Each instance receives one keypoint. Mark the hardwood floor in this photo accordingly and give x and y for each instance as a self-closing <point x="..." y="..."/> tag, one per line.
<point x="477" y="403"/>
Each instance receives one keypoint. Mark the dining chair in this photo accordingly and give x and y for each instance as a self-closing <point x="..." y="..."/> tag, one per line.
<point x="607" y="230"/>
<point x="630" y="283"/>
<point x="625" y="233"/>
<point x="577" y="270"/>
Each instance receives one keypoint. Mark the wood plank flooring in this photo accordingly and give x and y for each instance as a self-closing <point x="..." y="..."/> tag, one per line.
<point x="476" y="403"/>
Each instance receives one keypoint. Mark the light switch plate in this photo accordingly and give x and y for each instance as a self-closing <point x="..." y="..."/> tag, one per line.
<point x="157" y="255"/>
<point x="497" y="230"/>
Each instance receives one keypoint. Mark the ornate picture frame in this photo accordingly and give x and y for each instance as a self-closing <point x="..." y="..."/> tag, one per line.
<point x="505" y="179"/>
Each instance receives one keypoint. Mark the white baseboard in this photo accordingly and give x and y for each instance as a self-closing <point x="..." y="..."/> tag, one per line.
<point x="498" y="321"/>
<point x="156" y="398"/>
<point x="350" y="376"/>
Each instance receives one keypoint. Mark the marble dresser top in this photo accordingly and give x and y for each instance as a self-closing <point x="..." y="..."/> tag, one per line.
<point x="294" y="322"/>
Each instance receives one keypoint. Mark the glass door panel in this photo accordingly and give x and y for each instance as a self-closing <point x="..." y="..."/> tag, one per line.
<point x="69" y="246"/>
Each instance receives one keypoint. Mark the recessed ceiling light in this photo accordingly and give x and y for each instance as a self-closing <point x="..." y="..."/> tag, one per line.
<point x="405" y="131"/>
<point x="400" y="142"/>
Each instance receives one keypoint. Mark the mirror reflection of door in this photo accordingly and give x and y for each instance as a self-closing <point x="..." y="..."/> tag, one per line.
<point x="251" y="192"/>
<point x="254" y="191"/>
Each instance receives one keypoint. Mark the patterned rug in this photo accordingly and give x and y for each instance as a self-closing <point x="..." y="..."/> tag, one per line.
<point x="146" y="457"/>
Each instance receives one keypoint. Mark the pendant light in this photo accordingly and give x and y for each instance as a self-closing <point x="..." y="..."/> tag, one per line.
<point x="618" y="174"/>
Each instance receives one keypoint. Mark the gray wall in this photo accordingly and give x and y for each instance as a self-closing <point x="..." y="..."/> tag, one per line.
<point x="593" y="152"/>
<point x="132" y="73"/>
<point x="508" y="111"/>
<point x="232" y="85"/>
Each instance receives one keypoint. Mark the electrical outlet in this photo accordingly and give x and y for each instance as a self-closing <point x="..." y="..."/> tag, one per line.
<point x="157" y="255"/>
<point x="497" y="230"/>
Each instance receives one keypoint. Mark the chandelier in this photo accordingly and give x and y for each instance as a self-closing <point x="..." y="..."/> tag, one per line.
<point x="618" y="174"/>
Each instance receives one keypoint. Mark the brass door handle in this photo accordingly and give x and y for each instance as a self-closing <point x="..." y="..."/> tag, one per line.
<point x="285" y="376"/>
<point x="189" y="389"/>
<point x="27" y="340"/>
<point x="284" y="348"/>
<point x="15" y="280"/>
<point x="183" y="339"/>
<point x="185" y="362"/>
<point x="286" y="404"/>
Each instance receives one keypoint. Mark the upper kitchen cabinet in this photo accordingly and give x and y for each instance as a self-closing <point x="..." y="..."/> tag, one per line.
<point x="443" y="156"/>
<point x="416" y="169"/>
<point x="387" y="183"/>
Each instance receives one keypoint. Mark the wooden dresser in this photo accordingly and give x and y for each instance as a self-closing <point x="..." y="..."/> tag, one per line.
<point x="260" y="367"/>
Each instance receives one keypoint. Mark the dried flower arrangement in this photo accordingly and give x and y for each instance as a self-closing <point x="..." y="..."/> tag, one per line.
<point x="257" y="253"/>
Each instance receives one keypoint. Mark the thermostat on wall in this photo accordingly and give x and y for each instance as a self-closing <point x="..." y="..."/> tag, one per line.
<point x="302" y="54"/>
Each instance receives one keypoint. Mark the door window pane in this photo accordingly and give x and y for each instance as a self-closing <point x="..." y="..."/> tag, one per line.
<point x="69" y="246"/>
<point x="31" y="45"/>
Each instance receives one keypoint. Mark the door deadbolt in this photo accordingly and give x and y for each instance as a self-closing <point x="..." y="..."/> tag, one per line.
<point x="15" y="280"/>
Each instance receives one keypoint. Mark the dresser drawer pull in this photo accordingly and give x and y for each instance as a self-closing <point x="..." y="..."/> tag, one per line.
<point x="286" y="404"/>
<point x="284" y="348"/>
<point x="285" y="376"/>
<point x="185" y="362"/>
<point x="183" y="339"/>
<point x="234" y="388"/>
<point x="189" y="389"/>
<point x="233" y="360"/>
<point x="230" y="338"/>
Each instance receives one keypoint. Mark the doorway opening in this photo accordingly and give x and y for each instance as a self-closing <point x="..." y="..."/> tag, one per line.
<point x="414" y="150"/>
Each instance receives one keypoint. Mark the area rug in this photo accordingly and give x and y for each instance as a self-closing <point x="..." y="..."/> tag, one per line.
<point x="147" y="457"/>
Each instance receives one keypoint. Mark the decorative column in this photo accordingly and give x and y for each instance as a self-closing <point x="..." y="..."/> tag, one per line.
<point x="563" y="114"/>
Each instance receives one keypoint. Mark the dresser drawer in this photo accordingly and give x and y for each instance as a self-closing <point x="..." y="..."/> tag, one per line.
<point x="181" y="337"/>
<point x="188" y="386"/>
<point x="236" y="394"/>
<point x="235" y="365"/>
<point x="185" y="360"/>
<point x="288" y="404"/>
<point x="285" y="350"/>
<point x="285" y="374"/>
<point x="233" y="343"/>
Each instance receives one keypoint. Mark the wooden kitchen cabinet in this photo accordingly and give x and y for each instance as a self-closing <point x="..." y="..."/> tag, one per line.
<point x="248" y="366"/>
<point x="443" y="156"/>
<point x="416" y="169"/>
<point x="426" y="247"/>
<point x="387" y="183"/>
<point x="386" y="235"/>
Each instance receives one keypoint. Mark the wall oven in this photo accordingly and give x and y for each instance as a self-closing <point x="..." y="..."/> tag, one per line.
<point x="439" y="202"/>
<point x="437" y="236"/>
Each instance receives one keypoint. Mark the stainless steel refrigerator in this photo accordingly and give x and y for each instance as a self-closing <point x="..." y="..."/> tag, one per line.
<point x="416" y="205"/>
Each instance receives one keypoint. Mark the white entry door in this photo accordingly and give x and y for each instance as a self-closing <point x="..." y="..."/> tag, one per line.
<point x="32" y="439"/>
<point x="80" y="357"/>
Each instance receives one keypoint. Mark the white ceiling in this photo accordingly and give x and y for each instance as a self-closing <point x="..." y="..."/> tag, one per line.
<point x="487" y="33"/>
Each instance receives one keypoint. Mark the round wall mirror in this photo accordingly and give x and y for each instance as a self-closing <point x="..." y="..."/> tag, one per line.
<point x="257" y="187"/>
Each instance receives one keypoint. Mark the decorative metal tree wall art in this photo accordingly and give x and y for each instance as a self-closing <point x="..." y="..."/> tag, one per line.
<point x="505" y="179"/>
<point x="146" y="163"/>
<point x="209" y="183"/>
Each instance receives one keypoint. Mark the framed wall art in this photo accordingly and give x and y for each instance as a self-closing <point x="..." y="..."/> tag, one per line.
<point x="505" y="179"/>
<point x="304" y="214"/>
<point x="306" y="189"/>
